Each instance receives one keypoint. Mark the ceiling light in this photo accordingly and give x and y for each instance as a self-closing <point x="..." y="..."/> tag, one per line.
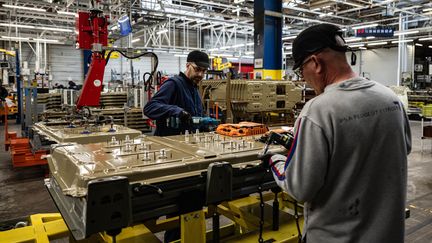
<point x="250" y="44"/>
<point x="427" y="38"/>
<point x="289" y="37"/>
<point x="353" y="39"/>
<point x="249" y="53"/>
<point x="36" y="27"/>
<point x="430" y="46"/>
<point x="350" y="3"/>
<point x="370" y="37"/>
<point x="67" y="13"/>
<point x="162" y="32"/>
<point x="54" y="29"/>
<point x="180" y="55"/>
<point x="406" y="32"/>
<point x="424" y="10"/>
<point x="362" y="48"/>
<point x="24" y="8"/>
<point x="356" y="45"/>
<point x="135" y="40"/>
<point x="247" y="57"/>
<point x="223" y="55"/>
<point x="418" y="44"/>
<point x="14" y="38"/>
<point x="18" y="25"/>
<point x="238" y="45"/>
<point x="45" y="40"/>
<point x="325" y="14"/>
<point x="288" y="47"/>
<point x="401" y="41"/>
<point x="377" y="43"/>
<point x="364" y="26"/>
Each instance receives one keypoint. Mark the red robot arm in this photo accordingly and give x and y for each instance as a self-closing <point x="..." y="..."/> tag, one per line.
<point x="92" y="33"/>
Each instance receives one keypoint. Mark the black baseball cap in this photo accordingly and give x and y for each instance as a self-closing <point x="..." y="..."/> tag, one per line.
<point x="316" y="38"/>
<point x="200" y="58"/>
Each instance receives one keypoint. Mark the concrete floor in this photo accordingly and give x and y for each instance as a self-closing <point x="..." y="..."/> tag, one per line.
<point x="23" y="192"/>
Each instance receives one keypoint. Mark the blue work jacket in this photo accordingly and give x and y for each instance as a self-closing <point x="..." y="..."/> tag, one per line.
<point x="176" y="94"/>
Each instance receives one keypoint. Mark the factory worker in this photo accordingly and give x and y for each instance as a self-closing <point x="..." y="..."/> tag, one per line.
<point x="348" y="160"/>
<point x="179" y="98"/>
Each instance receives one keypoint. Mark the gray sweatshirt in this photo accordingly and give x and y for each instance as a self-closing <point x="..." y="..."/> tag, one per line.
<point x="348" y="164"/>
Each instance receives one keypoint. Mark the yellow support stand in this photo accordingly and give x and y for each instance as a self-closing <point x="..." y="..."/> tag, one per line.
<point x="43" y="228"/>
<point x="243" y="212"/>
<point x="137" y="233"/>
<point x="193" y="227"/>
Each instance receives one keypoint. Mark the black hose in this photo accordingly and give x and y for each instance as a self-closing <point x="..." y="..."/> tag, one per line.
<point x="147" y="83"/>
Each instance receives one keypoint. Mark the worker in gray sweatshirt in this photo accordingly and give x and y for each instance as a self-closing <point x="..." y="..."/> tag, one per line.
<point x="348" y="161"/>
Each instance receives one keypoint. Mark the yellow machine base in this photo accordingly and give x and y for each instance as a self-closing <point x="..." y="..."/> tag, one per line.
<point x="244" y="213"/>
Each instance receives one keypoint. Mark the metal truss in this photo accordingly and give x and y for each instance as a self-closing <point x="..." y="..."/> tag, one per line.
<point x="184" y="34"/>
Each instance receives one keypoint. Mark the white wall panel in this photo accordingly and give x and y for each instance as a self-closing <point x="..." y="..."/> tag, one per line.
<point x="381" y="64"/>
<point x="66" y="63"/>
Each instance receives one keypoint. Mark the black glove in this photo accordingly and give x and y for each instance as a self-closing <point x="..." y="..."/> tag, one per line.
<point x="265" y="158"/>
<point x="185" y="118"/>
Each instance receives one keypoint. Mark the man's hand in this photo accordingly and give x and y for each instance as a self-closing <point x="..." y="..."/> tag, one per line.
<point x="269" y="159"/>
<point x="185" y="118"/>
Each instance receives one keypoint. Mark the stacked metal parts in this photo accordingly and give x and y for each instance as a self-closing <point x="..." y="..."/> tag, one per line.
<point x="113" y="104"/>
<point x="49" y="101"/>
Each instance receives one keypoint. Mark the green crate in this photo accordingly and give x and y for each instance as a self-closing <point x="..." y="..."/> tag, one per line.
<point x="416" y="104"/>
<point x="427" y="111"/>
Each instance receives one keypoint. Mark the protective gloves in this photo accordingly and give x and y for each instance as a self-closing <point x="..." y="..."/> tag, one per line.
<point x="269" y="159"/>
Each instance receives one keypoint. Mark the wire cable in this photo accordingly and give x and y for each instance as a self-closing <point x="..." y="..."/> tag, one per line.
<point x="261" y="222"/>
<point x="296" y="216"/>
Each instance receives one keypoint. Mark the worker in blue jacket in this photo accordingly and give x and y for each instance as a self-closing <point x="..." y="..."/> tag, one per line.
<point x="179" y="98"/>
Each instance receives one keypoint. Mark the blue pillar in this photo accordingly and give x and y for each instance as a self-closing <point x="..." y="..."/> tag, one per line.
<point x="87" y="59"/>
<point x="268" y="21"/>
<point x="18" y="86"/>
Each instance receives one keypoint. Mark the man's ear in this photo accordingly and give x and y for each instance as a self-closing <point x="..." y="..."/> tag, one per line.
<point x="319" y="68"/>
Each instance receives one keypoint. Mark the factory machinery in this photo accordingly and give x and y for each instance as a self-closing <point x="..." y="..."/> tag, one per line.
<point x="244" y="99"/>
<point x="59" y="124"/>
<point x="124" y="107"/>
<point x="130" y="184"/>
